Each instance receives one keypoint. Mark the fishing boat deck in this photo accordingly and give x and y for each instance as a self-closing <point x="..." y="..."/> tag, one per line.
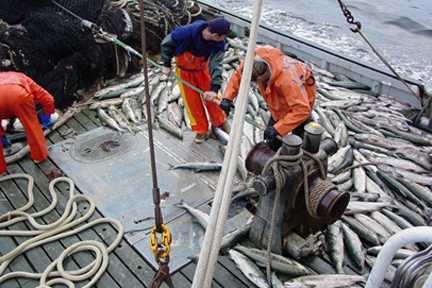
<point x="127" y="267"/>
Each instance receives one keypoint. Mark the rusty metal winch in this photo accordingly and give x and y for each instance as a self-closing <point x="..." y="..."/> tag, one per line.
<point x="307" y="201"/>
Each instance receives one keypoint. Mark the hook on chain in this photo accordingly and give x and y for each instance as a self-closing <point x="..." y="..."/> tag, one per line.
<point x="349" y="18"/>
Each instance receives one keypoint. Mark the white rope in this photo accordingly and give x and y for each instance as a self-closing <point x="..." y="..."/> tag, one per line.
<point x="67" y="225"/>
<point x="220" y="206"/>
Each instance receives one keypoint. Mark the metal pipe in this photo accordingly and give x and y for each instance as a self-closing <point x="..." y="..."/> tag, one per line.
<point x="156" y="192"/>
<point x="385" y="257"/>
<point x="428" y="283"/>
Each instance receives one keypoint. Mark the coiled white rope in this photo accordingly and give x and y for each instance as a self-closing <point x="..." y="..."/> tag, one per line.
<point x="67" y="225"/>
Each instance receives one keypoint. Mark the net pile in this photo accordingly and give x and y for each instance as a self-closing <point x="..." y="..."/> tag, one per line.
<point x="50" y="46"/>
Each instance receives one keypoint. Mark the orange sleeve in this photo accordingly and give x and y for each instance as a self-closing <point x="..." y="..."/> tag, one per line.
<point x="233" y="85"/>
<point x="41" y="96"/>
<point x="298" y="105"/>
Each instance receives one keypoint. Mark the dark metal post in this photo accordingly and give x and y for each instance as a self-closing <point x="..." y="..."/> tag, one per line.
<point x="156" y="191"/>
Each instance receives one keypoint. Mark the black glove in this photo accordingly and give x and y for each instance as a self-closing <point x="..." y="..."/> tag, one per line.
<point x="270" y="134"/>
<point x="226" y="105"/>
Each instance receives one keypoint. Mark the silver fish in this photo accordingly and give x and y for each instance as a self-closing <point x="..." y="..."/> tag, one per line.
<point x="400" y="221"/>
<point x="154" y="95"/>
<point x="276" y="282"/>
<point x="221" y="135"/>
<point x="119" y="118"/>
<point x="386" y="143"/>
<point x="361" y="230"/>
<point x="388" y="224"/>
<point x="170" y="127"/>
<point x="372" y="187"/>
<point x="137" y="109"/>
<point x="365" y="197"/>
<point x="341" y="178"/>
<point x="335" y="245"/>
<point x="249" y="269"/>
<point x="355" y="247"/>
<point x="174" y="114"/>
<point x="359" y="176"/>
<point x="127" y="109"/>
<point x="135" y="92"/>
<point x="408" y="175"/>
<point x="199" y="166"/>
<point x="105" y="103"/>
<point x="420" y="191"/>
<point x="340" y="104"/>
<point x="278" y="263"/>
<point x="355" y="207"/>
<point x="253" y="100"/>
<point x="400" y="254"/>
<point x="162" y="102"/>
<point x="345" y="186"/>
<point x="233" y="237"/>
<point x="175" y="93"/>
<point x="202" y="218"/>
<point x="418" y="157"/>
<point x="117" y="90"/>
<point x="324" y="121"/>
<point x="381" y="232"/>
<point x="406" y="164"/>
<point x="337" y="159"/>
<point x="341" y="135"/>
<point x="325" y="281"/>
<point x="103" y="116"/>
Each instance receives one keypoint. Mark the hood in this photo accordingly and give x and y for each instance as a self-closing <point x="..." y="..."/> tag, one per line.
<point x="274" y="57"/>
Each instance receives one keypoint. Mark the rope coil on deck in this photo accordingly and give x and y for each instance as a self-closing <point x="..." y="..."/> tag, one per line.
<point x="67" y="225"/>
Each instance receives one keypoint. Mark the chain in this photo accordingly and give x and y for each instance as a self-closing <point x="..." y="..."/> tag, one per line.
<point x="350" y="19"/>
<point x="358" y="26"/>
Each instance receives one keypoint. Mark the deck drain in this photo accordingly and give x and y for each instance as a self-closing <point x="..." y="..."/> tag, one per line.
<point x="101" y="147"/>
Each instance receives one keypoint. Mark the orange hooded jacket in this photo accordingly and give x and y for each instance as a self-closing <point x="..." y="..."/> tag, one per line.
<point x="289" y="93"/>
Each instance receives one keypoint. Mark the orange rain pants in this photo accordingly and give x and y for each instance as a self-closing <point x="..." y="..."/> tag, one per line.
<point x="18" y="96"/>
<point x="195" y="71"/>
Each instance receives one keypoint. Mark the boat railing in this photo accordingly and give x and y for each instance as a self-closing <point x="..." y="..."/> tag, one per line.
<point x="381" y="81"/>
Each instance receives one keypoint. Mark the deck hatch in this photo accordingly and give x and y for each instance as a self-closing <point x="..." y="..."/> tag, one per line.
<point x="114" y="169"/>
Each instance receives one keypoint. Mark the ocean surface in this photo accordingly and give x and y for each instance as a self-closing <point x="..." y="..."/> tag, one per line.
<point x="400" y="29"/>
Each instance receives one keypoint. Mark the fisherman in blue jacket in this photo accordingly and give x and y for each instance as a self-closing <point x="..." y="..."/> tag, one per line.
<point x="199" y="49"/>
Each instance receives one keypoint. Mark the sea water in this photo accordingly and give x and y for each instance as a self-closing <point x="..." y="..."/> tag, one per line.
<point x="400" y="29"/>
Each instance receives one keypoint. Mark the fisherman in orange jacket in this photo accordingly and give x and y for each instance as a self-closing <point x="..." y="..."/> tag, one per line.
<point x="18" y="98"/>
<point x="287" y="86"/>
<point x="199" y="49"/>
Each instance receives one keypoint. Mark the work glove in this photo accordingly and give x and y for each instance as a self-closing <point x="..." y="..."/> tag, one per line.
<point x="209" y="96"/>
<point x="270" y="134"/>
<point x="226" y="105"/>
<point x="166" y="70"/>
<point x="6" y="142"/>
<point x="45" y="120"/>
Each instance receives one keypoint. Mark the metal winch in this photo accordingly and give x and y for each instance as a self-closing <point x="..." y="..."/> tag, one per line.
<point x="307" y="201"/>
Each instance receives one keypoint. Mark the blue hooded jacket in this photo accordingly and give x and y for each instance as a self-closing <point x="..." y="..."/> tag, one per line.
<point x="189" y="39"/>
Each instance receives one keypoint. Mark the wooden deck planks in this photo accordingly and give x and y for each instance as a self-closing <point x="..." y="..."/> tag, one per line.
<point x="127" y="267"/>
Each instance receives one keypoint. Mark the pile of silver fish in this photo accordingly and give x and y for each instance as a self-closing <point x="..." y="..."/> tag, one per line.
<point x="122" y="107"/>
<point x="390" y="185"/>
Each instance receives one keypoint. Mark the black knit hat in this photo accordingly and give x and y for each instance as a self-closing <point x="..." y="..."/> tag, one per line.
<point x="219" y="25"/>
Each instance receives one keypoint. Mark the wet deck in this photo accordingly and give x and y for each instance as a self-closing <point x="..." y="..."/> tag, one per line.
<point x="127" y="267"/>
